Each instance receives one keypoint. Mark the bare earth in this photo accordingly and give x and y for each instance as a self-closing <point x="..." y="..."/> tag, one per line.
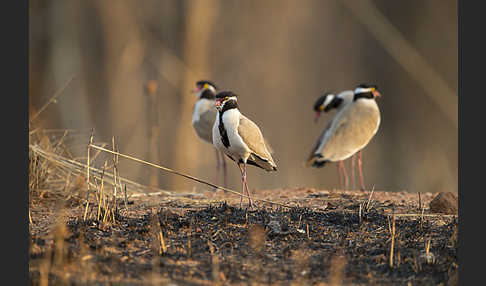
<point x="325" y="237"/>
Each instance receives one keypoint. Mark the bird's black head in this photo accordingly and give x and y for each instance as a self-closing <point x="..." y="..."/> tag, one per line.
<point x="224" y="94"/>
<point x="366" y="91"/>
<point x="322" y="101"/>
<point x="325" y="102"/>
<point x="205" y="89"/>
<point x="226" y="98"/>
<point x="205" y="84"/>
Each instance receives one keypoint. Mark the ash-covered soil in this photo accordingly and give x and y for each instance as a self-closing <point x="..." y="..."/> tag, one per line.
<point x="324" y="238"/>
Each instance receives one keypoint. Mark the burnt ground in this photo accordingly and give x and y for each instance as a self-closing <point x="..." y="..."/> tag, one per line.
<point x="325" y="238"/>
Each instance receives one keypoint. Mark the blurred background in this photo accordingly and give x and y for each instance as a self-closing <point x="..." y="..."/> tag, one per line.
<point x="135" y="62"/>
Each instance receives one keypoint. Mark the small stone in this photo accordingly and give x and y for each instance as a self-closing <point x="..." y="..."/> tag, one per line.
<point x="444" y="202"/>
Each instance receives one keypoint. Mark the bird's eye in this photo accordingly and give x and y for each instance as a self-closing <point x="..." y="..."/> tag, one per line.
<point x="226" y="98"/>
<point x="205" y="85"/>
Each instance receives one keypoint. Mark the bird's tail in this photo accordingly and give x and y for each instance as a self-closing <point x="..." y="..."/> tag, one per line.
<point x="316" y="161"/>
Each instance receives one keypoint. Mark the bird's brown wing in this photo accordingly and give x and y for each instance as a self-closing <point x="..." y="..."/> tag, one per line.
<point x="253" y="138"/>
<point x="351" y="132"/>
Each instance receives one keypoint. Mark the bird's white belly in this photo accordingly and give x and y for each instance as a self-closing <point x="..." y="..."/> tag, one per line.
<point x="237" y="148"/>
<point x="200" y="107"/>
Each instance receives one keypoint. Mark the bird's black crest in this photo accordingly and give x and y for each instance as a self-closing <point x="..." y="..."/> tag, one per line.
<point x="202" y="82"/>
<point x="320" y="101"/>
<point x="364" y="85"/>
<point x="223" y="94"/>
<point x="368" y="95"/>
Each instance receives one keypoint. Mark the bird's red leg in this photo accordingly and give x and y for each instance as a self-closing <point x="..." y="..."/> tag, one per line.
<point x="242" y="184"/>
<point x="251" y="203"/>
<point x="217" y="166"/>
<point x="339" y="173"/>
<point x="360" y="172"/>
<point x="225" y="181"/>
<point x="346" y="181"/>
<point x="353" y="176"/>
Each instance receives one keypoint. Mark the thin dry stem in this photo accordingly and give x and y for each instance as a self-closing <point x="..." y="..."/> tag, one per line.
<point x="184" y="175"/>
<point x="87" y="177"/>
<point x="53" y="99"/>
<point x="392" y="242"/>
<point x="369" y="198"/>
<point x="163" y="246"/>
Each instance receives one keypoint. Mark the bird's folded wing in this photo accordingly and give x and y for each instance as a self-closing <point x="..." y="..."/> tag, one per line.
<point x="253" y="138"/>
<point x="318" y="143"/>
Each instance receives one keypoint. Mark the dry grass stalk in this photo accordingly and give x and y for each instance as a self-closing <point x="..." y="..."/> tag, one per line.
<point x="427" y="247"/>
<point x="125" y="197"/>
<point x="359" y="214"/>
<point x="80" y="168"/>
<point x="420" y="201"/>
<point x="214" y="264"/>
<point x="392" y="242"/>
<point x="453" y="238"/>
<point x="163" y="246"/>
<point x="87" y="177"/>
<point x="100" y="194"/>
<point x="52" y="99"/>
<point x="38" y="171"/>
<point x="336" y="272"/>
<point x="30" y="217"/>
<point x="117" y="183"/>
<point x="189" y="249"/>
<point x="369" y="199"/>
<point x="115" y="172"/>
<point x="422" y="218"/>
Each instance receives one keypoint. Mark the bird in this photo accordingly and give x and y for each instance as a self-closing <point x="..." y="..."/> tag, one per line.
<point x="325" y="103"/>
<point x="203" y="117"/>
<point x="240" y="139"/>
<point x="350" y="130"/>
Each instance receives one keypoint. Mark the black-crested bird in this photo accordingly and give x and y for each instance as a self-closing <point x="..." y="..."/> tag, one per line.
<point x="240" y="138"/>
<point x="350" y="130"/>
<point x="203" y="118"/>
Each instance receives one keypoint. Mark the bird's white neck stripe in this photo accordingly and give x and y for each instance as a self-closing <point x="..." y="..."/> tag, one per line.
<point x="329" y="98"/>
<point x="363" y="90"/>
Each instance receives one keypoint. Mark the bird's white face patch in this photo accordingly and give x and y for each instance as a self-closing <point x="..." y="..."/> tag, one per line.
<point x="221" y="102"/>
<point x="363" y="90"/>
<point x="329" y="98"/>
<point x="210" y="87"/>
